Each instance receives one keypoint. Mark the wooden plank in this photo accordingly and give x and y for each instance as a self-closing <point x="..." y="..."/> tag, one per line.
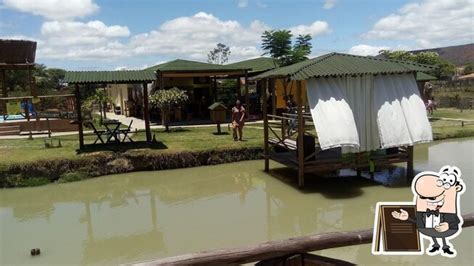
<point x="272" y="86"/>
<point x="146" y="113"/>
<point x="277" y="248"/>
<point x="299" y="100"/>
<point x="265" y="125"/>
<point x="79" y="117"/>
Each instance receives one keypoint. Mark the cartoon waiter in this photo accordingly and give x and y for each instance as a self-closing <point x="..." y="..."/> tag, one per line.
<point x="437" y="207"/>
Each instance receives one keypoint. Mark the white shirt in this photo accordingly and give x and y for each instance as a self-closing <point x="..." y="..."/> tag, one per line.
<point x="432" y="221"/>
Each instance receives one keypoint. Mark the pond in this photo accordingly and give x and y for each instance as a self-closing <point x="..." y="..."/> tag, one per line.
<point x="141" y="216"/>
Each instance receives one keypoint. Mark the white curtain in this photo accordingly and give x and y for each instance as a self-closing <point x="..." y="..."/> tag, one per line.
<point x="368" y="112"/>
<point x="401" y="113"/>
<point x="332" y="115"/>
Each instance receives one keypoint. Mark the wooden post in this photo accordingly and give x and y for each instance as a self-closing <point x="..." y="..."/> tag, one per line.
<point x="273" y="89"/>
<point x="146" y="113"/>
<point x="4" y="91"/>
<point x="79" y="117"/>
<point x="214" y="89"/>
<point x="410" y="163"/>
<point x="238" y="88"/>
<point x="265" y="125"/>
<point x="247" y="96"/>
<point x="300" y="135"/>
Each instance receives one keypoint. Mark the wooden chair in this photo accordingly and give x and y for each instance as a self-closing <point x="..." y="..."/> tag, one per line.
<point x="98" y="133"/>
<point x="126" y="131"/>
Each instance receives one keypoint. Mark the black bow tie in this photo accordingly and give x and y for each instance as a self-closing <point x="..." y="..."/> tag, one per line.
<point x="430" y="212"/>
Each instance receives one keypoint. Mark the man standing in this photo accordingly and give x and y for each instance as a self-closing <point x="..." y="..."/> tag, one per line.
<point x="437" y="207"/>
<point x="238" y="118"/>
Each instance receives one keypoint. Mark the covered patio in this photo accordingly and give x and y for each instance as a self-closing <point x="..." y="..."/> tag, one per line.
<point x="352" y="112"/>
<point x="83" y="78"/>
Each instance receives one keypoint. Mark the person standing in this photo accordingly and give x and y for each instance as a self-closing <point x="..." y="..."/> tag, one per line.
<point x="238" y="120"/>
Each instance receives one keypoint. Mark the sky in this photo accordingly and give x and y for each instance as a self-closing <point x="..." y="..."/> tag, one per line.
<point x="135" y="34"/>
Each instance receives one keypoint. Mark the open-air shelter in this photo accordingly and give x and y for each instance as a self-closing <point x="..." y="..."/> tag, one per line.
<point x="78" y="78"/>
<point x="352" y="112"/>
<point x="199" y="76"/>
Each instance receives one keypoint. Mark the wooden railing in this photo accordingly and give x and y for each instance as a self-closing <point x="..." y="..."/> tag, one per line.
<point x="276" y="249"/>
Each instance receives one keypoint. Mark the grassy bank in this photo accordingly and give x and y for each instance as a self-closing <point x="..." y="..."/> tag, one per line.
<point x="180" y="139"/>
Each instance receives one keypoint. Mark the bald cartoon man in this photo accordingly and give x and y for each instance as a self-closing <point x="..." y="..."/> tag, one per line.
<point x="437" y="207"/>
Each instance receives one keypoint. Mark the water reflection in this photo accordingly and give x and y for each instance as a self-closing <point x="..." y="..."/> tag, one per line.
<point x="139" y="216"/>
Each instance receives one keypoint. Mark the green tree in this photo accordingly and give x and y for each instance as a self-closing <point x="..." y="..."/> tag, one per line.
<point x="443" y="67"/>
<point x="100" y="98"/>
<point x="166" y="100"/>
<point x="277" y="43"/>
<point x="468" y="69"/>
<point x="219" y="55"/>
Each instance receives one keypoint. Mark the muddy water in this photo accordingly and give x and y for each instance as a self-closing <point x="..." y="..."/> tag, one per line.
<point x="140" y="216"/>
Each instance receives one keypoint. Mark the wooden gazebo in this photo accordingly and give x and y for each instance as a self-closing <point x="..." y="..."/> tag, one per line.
<point x="299" y="148"/>
<point x="78" y="78"/>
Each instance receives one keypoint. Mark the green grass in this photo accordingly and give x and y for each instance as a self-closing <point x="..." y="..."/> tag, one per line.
<point x="198" y="138"/>
<point x="179" y="139"/>
<point x="454" y="113"/>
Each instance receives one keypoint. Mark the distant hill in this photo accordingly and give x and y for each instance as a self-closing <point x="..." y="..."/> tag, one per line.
<point x="459" y="55"/>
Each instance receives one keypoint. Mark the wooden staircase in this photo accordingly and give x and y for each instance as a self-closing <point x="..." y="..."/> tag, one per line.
<point x="8" y="130"/>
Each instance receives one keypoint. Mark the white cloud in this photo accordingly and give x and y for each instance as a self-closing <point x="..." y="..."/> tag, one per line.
<point x="364" y="49"/>
<point x="328" y="4"/>
<point x="78" y="40"/>
<point x="242" y="3"/>
<point x="428" y="22"/>
<point x="316" y="28"/>
<point x="183" y="37"/>
<point x="193" y="36"/>
<point x="54" y="9"/>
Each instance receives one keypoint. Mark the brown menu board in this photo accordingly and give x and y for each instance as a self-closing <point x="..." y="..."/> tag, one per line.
<point x="393" y="235"/>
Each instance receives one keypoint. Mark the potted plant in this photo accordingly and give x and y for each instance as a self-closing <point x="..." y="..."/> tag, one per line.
<point x="166" y="100"/>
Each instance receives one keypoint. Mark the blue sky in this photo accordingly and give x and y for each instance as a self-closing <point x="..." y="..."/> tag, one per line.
<point x="112" y="34"/>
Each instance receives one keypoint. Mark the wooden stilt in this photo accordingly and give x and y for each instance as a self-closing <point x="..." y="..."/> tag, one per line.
<point x="300" y="143"/>
<point x="265" y="125"/>
<point x="146" y="113"/>
<point x="410" y="171"/>
<point x="79" y="117"/>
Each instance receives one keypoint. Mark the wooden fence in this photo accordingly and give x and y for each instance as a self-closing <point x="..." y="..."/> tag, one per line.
<point x="276" y="249"/>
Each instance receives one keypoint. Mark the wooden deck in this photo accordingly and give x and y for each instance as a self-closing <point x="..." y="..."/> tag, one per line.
<point x="298" y="148"/>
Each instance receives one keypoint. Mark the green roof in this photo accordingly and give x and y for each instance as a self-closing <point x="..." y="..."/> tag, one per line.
<point x="337" y="64"/>
<point x="257" y="64"/>
<point x="421" y="76"/>
<point x="180" y="65"/>
<point x="119" y="76"/>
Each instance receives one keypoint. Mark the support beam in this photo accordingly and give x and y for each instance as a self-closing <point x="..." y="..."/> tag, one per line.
<point x="265" y="125"/>
<point x="247" y="96"/>
<point x="274" y="101"/>
<point x="79" y="117"/>
<point x="4" y="90"/>
<point x="299" y="101"/>
<point x="146" y="113"/>
<point x="214" y="89"/>
<point x="239" y="93"/>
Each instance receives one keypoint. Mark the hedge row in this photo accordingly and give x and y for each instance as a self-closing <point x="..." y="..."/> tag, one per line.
<point x="105" y="163"/>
